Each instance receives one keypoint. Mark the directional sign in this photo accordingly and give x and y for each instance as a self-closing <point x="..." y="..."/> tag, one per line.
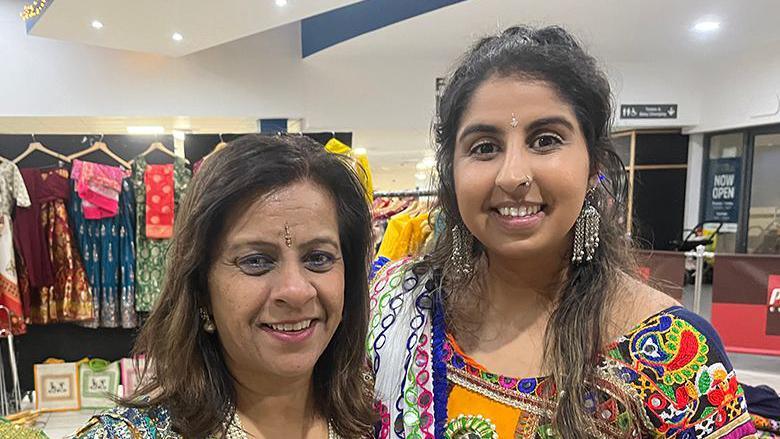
<point x="644" y="111"/>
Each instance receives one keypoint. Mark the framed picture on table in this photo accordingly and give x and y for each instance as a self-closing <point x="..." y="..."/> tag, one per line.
<point x="99" y="383"/>
<point x="135" y="373"/>
<point x="56" y="387"/>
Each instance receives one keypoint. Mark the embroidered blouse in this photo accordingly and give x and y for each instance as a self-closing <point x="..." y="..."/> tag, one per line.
<point x="668" y="377"/>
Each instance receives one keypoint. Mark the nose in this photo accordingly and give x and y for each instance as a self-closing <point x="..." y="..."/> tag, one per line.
<point x="514" y="177"/>
<point x="293" y="290"/>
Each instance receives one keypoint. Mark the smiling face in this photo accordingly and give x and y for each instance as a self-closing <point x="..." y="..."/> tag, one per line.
<point x="276" y="284"/>
<point x="520" y="167"/>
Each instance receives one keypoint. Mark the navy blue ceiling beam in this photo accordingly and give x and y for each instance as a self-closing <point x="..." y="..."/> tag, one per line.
<point x="333" y="27"/>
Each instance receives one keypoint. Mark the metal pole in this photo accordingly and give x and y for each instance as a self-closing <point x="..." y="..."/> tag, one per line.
<point x="17" y="391"/>
<point x="699" y="279"/>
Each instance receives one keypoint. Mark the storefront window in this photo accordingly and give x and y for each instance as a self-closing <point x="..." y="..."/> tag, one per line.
<point x="764" y="216"/>
<point x="723" y="194"/>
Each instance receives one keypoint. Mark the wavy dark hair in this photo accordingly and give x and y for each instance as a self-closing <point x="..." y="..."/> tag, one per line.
<point x="189" y="377"/>
<point x="576" y="330"/>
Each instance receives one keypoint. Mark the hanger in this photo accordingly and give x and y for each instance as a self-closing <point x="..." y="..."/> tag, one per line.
<point x="157" y="146"/>
<point x="220" y="146"/>
<point x="37" y="146"/>
<point x="102" y="147"/>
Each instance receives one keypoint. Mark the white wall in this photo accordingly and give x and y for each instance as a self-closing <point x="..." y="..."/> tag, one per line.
<point x="736" y="91"/>
<point x="656" y="83"/>
<point x="253" y="76"/>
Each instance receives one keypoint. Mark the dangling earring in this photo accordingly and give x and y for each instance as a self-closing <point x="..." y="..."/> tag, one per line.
<point x="208" y="324"/>
<point x="462" y="242"/>
<point x="586" y="232"/>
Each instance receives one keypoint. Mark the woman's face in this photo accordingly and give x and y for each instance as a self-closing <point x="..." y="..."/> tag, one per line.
<point x="521" y="168"/>
<point x="276" y="285"/>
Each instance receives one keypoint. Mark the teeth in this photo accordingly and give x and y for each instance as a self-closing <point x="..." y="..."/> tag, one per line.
<point x="519" y="212"/>
<point x="291" y="327"/>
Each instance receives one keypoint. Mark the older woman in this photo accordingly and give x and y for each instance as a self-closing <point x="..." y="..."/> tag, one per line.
<point x="260" y="328"/>
<point x="527" y="319"/>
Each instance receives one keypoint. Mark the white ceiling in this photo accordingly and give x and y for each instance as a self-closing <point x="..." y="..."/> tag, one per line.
<point x="147" y="25"/>
<point x="614" y="30"/>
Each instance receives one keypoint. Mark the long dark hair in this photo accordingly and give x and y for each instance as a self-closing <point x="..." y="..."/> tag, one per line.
<point x="190" y="378"/>
<point x="575" y="332"/>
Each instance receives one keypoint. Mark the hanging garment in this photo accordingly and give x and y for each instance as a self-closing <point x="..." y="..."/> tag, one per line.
<point x="98" y="186"/>
<point x="13" y="193"/>
<point x="197" y="165"/>
<point x="159" y="201"/>
<point x="33" y="247"/>
<point x="108" y="248"/>
<point x="404" y="236"/>
<point x="68" y="298"/>
<point x="150" y="253"/>
<point x="362" y="168"/>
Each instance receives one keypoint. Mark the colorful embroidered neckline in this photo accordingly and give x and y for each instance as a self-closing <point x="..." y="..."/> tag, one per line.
<point x="455" y="357"/>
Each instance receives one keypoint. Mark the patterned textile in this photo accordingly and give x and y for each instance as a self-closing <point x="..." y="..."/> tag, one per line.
<point x="108" y="247"/>
<point x="668" y="377"/>
<point x="150" y="253"/>
<point x="13" y="193"/>
<point x="767" y="428"/>
<point x="121" y="422"/>
<point x="159" y="201"/>
<point x="99" y="187"/>
<point x="68" y="297"/>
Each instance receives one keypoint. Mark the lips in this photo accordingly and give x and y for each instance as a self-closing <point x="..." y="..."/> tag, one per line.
<point x="519" y="211"/>
<point x="290" y="327"/>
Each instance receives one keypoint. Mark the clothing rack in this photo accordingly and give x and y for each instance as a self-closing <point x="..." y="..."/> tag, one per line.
<point x="410" y="193"/>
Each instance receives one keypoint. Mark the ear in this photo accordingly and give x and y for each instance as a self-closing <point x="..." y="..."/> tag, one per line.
<point x="595" y="177"/>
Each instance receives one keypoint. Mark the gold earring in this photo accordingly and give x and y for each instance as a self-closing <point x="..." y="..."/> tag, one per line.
<point x="208" y="323"/>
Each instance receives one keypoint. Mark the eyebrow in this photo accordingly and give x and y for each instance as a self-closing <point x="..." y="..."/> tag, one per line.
<point x="261" y="243"/>
<point x="479" y="128"/>
<point x="483" y="128"/>
<point x="555" y="120"/>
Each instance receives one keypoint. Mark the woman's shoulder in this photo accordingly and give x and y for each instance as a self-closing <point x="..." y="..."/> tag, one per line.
<point x="140" y="423"/>
<point x="675" y="364"/>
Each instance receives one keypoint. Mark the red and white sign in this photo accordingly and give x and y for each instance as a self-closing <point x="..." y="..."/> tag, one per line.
<point x="773" y="304"/>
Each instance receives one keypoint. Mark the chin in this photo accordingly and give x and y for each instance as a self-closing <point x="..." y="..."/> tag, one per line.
<point x="291" y="366"/>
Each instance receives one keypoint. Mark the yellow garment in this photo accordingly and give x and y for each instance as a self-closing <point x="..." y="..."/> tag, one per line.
<point x="396" y="240"/>
<point x="360" y="161"/>
<point x="404" y="236"/>
<point x="420" y="231"/>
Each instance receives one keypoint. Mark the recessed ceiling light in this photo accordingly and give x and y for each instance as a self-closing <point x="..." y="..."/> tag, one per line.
<point x="97" y="24"/>
<point x="145" y="130"/>
<point x="706" y="26"/>
<point x="177" y="36"/>
<point x="281" y="3"/>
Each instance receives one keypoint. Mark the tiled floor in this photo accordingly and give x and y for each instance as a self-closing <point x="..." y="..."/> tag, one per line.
<point x="751" y="369"/>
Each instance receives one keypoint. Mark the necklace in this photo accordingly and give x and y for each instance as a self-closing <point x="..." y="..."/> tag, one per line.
<point x="236" y="430"/>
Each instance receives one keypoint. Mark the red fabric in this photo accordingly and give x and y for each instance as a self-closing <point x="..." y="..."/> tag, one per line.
<point x="159" y="183"/>
<point x="28" y="232"/>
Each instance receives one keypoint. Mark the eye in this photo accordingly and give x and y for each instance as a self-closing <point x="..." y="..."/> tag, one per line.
<point x="255" y="265"/>
<point x="319" y="261"/>
<point x="484" y="149"/>
<point x="546" y="141"/>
